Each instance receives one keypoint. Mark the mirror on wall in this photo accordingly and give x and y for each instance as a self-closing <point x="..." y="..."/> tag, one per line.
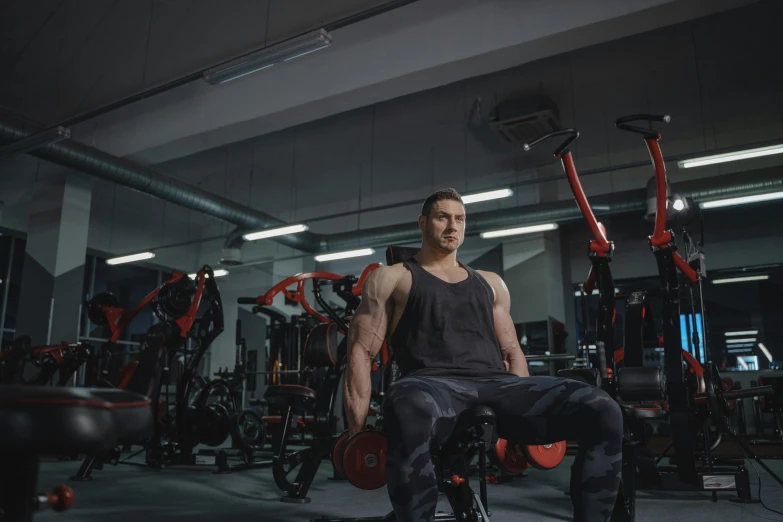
<point x="738" y="320"/>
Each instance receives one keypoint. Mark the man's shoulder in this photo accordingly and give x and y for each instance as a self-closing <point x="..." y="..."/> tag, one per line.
<point x="385" y="278"/>
<point x="491" y="277"/>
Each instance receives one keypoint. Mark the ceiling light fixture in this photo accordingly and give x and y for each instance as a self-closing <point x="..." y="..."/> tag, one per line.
<point x="220" y="272"/>
<point x="487" y="196"/>
<point x="765" y="351"/>
<point x="730" y="156"/>
<point x="269" y="56"/>
<point x="741" y="340"/>
<point x="517" y="231"/>
<point x="741" y="332"/>
<point x="744" y="200"/>
<point x="742" y="279"/>
<point x="344" y="255"/>
<point x="274" y="232"/>
<point x="141" y="256"/>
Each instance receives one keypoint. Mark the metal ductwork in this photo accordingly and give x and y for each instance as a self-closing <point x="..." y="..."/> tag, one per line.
<point x="117" y="170"/>
<point x="78" y="156"/>
<point x="632" y="201"/>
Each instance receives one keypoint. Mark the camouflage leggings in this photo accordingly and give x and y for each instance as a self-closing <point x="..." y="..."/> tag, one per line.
<point x="420" y="412"/>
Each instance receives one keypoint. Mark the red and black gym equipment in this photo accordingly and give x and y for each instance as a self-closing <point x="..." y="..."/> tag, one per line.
<point x="686" y="402"/>
<point x="62" y="360"/>
<point x="323" y="362"/>
<point x="191" y="318"/>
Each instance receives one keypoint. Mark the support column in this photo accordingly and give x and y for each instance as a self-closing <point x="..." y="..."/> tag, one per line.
<point x="534" y="276"/>
<point x="53" y="274"/>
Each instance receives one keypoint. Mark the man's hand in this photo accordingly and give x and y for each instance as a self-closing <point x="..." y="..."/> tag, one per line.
<point x="506" y="333"/>
<point x="365" y="339"/>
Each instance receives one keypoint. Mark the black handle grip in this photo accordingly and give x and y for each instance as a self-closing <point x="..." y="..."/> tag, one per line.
<point x="238" y="337"/>
<point x="601" y="351"/>
<point x="758" y="391"/>
<point x="572" y="134"/>
<point x="248" y="300"/>
<point x="622" y="123"/>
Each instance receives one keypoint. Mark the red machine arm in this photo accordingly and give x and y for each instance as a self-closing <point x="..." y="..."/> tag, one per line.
<point x="119" y="319"/>
<point x="661" y="238"/>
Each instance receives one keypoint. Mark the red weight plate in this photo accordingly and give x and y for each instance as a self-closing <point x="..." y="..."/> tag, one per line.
<point x="337" y="453"/>
<point x="546" y="456"/>
<point x="364" y="460"/>
<point x="510" y="458"/>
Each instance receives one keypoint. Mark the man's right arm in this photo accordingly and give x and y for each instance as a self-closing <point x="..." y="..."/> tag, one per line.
<point x="365" y="339"/>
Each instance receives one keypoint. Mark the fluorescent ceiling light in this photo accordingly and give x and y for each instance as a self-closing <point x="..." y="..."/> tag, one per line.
<point x="740" y="279"/>
<point x="765" y="351"/>
<point x="730" y="156"/>
<point x="741" y="340"/>
<point x="744" y="200"/>
<point x="740" y="350"/>
<point x="743" y="363"/>
<point x="130" y="258"/>
<point x="743" y="345"/>
<point x="487" y="196"/>
<point x="517" y="231"/>
<point x="743" y="332"/>
<point x="269" y="56"/>
<point x="220" y="272"/>
<point x="273" y="232"/>
<point x="345" y="255"/>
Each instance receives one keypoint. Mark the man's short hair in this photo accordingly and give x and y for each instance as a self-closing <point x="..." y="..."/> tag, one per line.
<point x="440" y="195"/>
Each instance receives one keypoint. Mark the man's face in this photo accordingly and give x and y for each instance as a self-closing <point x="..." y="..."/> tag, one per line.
<point x="444" y="228"/>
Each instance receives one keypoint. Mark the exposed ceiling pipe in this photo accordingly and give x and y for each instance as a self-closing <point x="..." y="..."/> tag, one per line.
<point x="100" y="164"/>
<point x="89" y="160"/>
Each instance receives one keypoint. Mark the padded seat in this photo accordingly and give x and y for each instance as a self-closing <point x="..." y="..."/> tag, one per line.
<point x="290" y="391"/>
<point x="472" y="417"/>
<point x="64" y="420"/>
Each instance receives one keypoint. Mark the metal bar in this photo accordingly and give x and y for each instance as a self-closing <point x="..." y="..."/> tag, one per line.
<point x="7" y="286"/>
<point x="102" y="340"/>
<point x="34" y="141"/>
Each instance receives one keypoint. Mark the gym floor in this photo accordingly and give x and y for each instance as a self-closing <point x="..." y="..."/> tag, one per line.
<point x="130" y="493"/>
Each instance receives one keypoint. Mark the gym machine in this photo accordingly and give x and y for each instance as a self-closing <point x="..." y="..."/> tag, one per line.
<point x="181" y="332"/>
<point x="63" y="360"/>
<point x="633" y="388"/>
<point x="695" y="397"/>
<point x="323" y="363"/>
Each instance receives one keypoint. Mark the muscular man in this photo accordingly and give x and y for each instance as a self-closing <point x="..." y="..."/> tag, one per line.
<point x="455" y="344"/>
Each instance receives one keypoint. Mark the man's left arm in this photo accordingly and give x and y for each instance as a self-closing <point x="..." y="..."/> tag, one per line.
<point x="505" y="331"/>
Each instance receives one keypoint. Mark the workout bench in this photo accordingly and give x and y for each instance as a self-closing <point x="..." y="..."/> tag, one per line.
<point x="38" y="420"/>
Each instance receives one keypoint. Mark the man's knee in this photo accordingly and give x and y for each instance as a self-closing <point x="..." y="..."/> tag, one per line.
<point x="604" y="412"/>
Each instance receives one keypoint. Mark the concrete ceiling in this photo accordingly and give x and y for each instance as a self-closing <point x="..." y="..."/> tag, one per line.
<point x="64" y="58"/>
<point x="420" y="46"/>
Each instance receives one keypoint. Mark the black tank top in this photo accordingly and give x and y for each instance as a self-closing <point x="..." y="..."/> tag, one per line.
<point x="447" y="329"/>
